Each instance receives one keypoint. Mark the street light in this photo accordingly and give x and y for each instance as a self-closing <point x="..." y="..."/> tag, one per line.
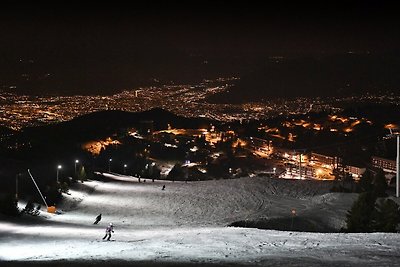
<point x="109" y="165"/>
<point x="397" y="135"/>
<point x="274" y="169"/>
<point x="16" y="186"/>
<point x="151" y="171"/>
<point x="76" y="162"/>
<point x="398" y="167"/>
<point x="58" y="169"/>
<point x="125" y="168"/>
<point x="293" y="215"/>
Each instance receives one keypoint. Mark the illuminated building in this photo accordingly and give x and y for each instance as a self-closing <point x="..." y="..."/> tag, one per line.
<point x="387" y="165"/>
<point x="355" y="171"/>
<point x="324" y="159"/>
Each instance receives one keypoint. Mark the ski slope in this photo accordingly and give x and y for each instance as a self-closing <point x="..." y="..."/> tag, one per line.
<point x="186" y="224"/>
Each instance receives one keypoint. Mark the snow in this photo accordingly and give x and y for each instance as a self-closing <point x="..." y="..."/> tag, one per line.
<point x="187" y="224"/>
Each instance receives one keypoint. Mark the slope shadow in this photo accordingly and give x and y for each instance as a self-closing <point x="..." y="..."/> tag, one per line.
<point x="300" y="224"/>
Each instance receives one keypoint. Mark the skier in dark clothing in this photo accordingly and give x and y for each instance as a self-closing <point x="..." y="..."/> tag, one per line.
<point x="98" y="218"/>
<point x="163" y="187"/>
<point x="109" y="229"/>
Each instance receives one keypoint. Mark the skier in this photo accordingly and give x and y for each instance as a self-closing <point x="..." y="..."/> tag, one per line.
<point x="98" y="218"/>
<point x="163" y="187"/>
<point x="109" y="229"/>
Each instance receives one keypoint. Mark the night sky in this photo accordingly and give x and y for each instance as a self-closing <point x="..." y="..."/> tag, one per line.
<point x="103" y="48"/>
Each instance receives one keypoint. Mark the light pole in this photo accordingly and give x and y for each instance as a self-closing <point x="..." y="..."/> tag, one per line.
<point x="151" y="171"/>
<point x="300" y="166"/>
<point x="151" y="167"/>
<point x="293" y="214"/>
<point x="58" y="169"/>
<point x="125" y="168"/>
<point x="398" y="166"/>
<point x="76" y="162"/>
<point x="391" y="135"/>
<point x="16" y="186"/>
<point x="109" y="165"/>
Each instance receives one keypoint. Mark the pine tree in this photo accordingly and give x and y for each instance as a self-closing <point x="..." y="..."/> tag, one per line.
<point x="380" y="184"/>
<point x="176" y="172"/>
<point x="64" y="188"/>
<point x="359" y="218"/>
<point x="386" y="216"/>
<point x="366" y="181"/>
<point x="28" y="207"/>
<point x="53" y="195"/>
<point x="82" y="174"/>
<point x="9" y="205"/>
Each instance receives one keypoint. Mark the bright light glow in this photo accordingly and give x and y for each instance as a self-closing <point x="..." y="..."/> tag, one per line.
<point x="194" y="149"/>
<point x="169" y="223"/>
<point x="170" y="145"/>
<point x="317" y="127"/>
<point x="59" y="166"/>
<point x="94" y="147"/>
<point x="202" y="170"/>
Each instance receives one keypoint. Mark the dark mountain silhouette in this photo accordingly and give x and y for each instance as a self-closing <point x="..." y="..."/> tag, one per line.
<point x="102" y="124"/>
<point x="74" y="76"/>
<point x="339" y="75"/>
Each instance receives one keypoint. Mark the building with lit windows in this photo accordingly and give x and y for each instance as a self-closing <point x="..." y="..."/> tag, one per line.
<point x="355" y="171"/>
<point x="387" y="165"/>
<point x="325" y="159"/>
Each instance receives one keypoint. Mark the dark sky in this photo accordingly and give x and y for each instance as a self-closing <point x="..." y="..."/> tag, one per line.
<point x="107" y="46"/>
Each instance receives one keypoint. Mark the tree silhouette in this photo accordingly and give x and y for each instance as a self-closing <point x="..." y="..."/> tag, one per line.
<point x="380" y="184"/>
<point x="359" y="218"/>
<point x="82" y="174"/>
<point x="176" y="172"/>
<point x="386" y="216"/>
<point x="9" y="205"/>
<point x="366" y="181"/>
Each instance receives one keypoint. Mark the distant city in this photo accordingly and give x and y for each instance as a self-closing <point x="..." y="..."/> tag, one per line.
<point x="189" y="100"/>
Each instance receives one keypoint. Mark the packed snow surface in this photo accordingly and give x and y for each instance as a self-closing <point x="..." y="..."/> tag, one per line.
<point x="186" y="224"/>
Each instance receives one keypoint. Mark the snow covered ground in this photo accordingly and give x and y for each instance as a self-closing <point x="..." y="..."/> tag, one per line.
<point x="186" y="224"/>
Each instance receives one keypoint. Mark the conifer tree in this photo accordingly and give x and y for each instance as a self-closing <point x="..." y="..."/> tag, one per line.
<point x="359" y="218"/>
<point x="176" y="172"/>
<point x="386" y="216"/>
<point x="380" y="184"/>
<point x="28" y="207"/>
<point x="366" y="181"/>
<point x="82" y="174"/>
<point x="9" y="205"/>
